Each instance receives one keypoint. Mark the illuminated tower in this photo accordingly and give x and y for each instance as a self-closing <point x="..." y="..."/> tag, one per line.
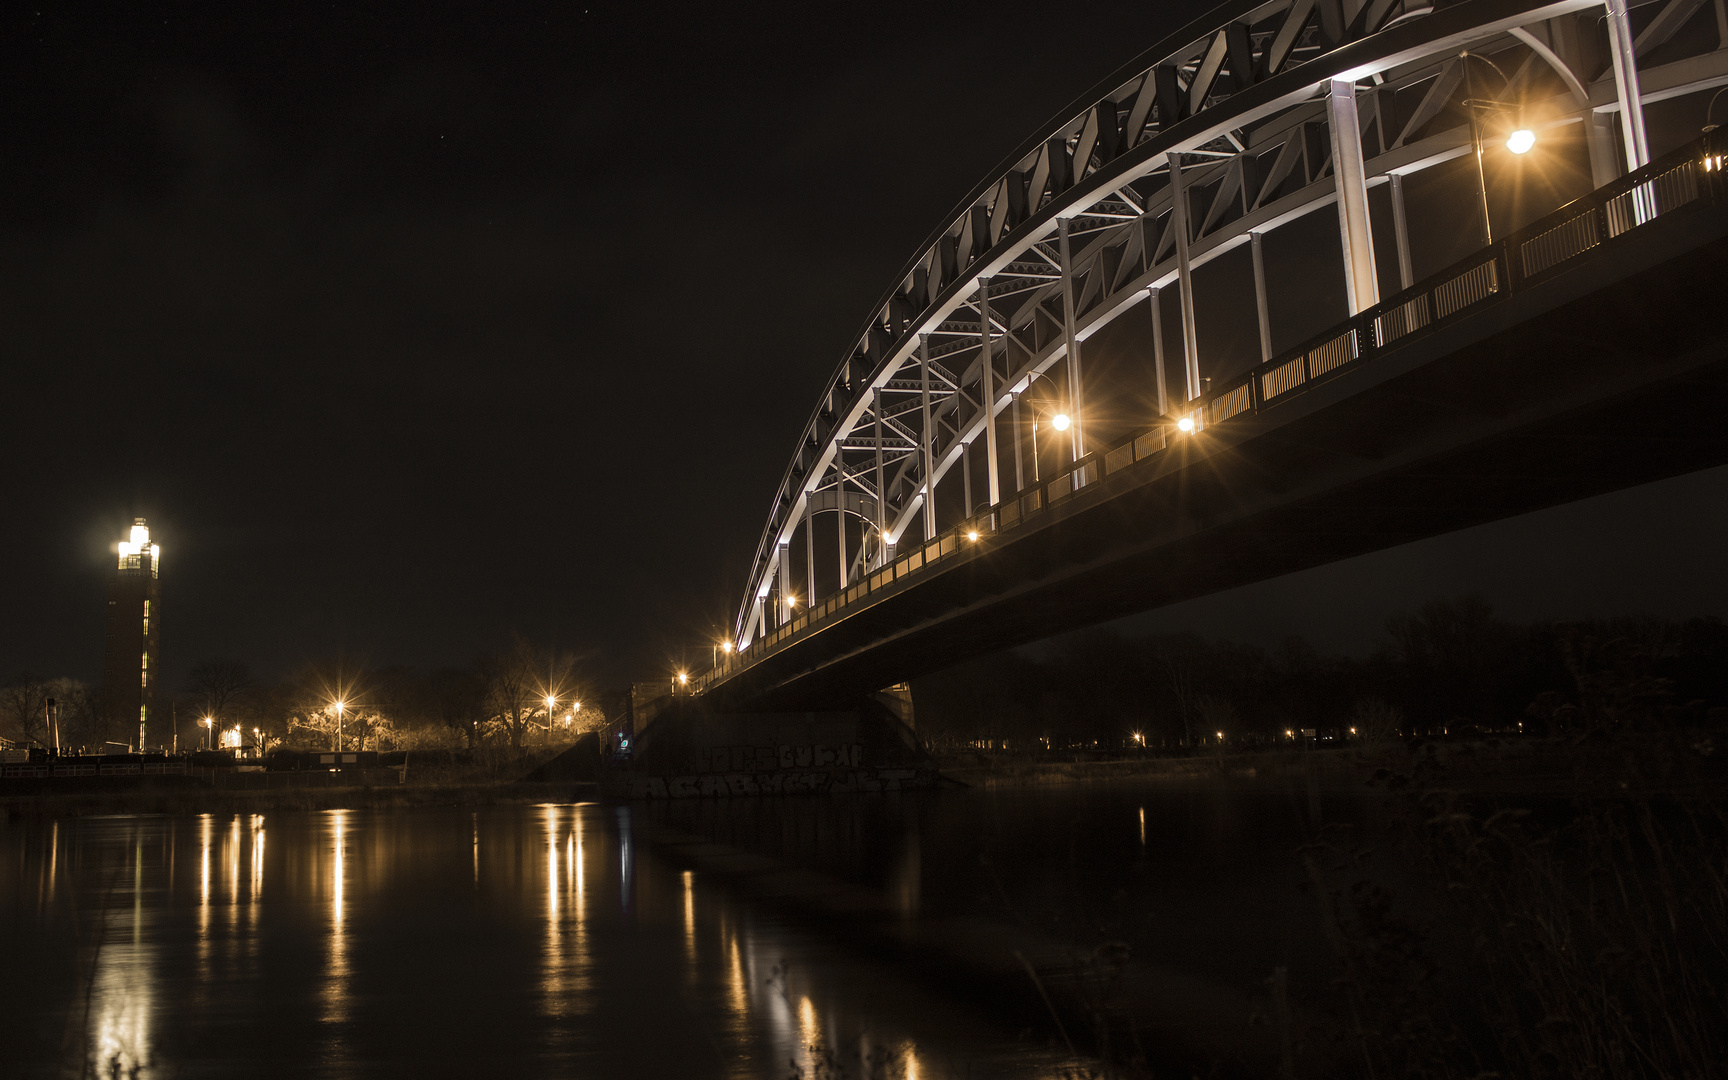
<point x="130" y="664"/>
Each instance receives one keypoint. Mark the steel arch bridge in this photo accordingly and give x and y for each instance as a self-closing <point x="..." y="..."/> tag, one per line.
<point x="1252" y="117"/>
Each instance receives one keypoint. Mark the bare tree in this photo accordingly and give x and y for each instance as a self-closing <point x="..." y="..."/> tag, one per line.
<point x="526" y="687"/>
<point x="513" y="695"/>
<point x="220" y="687"/>
<point x="459" y="698"/>
<point x="77" y="713"/>
<point x="1180" y="677"/>
<point x="24" y="708"/>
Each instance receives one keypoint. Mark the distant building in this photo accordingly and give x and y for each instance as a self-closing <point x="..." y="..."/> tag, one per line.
<point x="131" y="666"/>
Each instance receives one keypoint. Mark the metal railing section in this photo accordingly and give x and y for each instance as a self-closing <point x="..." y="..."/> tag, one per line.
<point x="1562" y="242"/>
<point x="1547" y="246"/>
<point x="1467" y="289"/>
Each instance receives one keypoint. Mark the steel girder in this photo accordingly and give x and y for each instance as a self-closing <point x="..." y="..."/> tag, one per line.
<point x="1237" y="96"/>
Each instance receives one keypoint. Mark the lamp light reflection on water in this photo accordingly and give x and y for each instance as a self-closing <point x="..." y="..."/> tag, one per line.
<point x="203" y="878"/>
<point x="689" y="915"/>
<point x="336" y="975"/>
<point x="122" y="990"/>
<point x="152" y="983"/>
<point x="738" y="985"/>
<point x="808" y="1030"/>
<point x="576" y="834"/>
<point x="234" y="866"/>
<point x="257" y="858"/>
<point x="626" y="858"/>
<point x="552" y="978"/>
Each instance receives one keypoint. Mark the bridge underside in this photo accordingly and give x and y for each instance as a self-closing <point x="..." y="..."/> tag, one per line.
<point x="1612" y="374"/>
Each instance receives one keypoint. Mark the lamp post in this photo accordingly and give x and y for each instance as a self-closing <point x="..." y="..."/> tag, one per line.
<point x="209" y="723"/>
<point x="1519" y="142"/>
<point x="340" y="706"/>
<point x="1059" y="419"/>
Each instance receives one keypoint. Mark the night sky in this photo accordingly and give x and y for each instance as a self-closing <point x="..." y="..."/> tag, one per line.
<point x="411" y="330"/>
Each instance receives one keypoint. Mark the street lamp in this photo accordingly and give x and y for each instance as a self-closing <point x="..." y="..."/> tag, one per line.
<point x="1519" y="142"/>
<point x="210" y="732"/>
<point x="1059" y="419"/>
<point x="340" y="706"/>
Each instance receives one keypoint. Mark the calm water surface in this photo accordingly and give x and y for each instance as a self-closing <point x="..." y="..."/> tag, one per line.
<point x="515" y="941"/>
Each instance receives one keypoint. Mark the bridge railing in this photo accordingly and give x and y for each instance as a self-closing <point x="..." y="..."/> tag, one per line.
<point x="1692" y="175"/>
<point x="1544" y="248"/>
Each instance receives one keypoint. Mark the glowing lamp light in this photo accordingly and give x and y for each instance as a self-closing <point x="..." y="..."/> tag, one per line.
<point x="683" y="678"/>
<point x="973" y="535"/>
<point x="1220" y="736"/>
<point x="551" y="701"/>
<point x="1186" y="424"/>
<point x="1060" y="421"/>
<point x="1520" y="141"/>
<point x="725" y="646"/>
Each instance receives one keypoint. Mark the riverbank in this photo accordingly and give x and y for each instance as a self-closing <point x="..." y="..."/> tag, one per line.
<point x="164" y="797"/>
<point x="1672" y="763"/>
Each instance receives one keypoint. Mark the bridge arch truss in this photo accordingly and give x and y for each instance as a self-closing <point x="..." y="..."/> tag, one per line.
<point x="1250" y="118"/>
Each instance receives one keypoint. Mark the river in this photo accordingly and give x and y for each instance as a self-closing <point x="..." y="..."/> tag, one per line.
<point x="530" y="941"/>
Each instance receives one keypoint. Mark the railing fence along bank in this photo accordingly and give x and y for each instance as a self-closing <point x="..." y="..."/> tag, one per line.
<point x="1692" y="175"/>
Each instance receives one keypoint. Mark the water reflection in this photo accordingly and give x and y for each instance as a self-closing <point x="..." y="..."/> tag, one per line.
<point x="335" y="997"/>
<point x="565" y="959"/>
<point x="122" y="987"/>
<point x="689" y="880"/>
<point x="386" y="945"/>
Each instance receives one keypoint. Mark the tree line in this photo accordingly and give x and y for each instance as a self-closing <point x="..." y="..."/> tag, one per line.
<point x="1452" y="666"/>
<point x="497" y="700"/>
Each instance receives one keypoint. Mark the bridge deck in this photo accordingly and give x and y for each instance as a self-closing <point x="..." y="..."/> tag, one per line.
<point x="1610" y="372"/>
